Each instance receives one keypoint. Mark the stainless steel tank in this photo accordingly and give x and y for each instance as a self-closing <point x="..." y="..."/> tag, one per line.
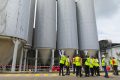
<point x="67" y="35"/>
<point x="14" y="22"/>
<point x="88" y="37"/>
<point x="45" y="30"/>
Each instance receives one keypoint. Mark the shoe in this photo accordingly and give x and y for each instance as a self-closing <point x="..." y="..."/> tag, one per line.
<point x="63" y="75"/>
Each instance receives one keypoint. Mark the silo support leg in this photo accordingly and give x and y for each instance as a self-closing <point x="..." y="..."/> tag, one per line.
<point x="52" y="60"/>
<point x="99" y="57"/>
<point x="52" y="64"/>
<point x="21" y="58"/>
<point x="36" y="57"/>
<point x="16" y="42"/>
<point x="77" y="52"/>
<point x="25" y="60"/>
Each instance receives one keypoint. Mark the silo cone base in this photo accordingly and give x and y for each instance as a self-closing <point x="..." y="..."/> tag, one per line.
<point x="45" y="55"/>
<point x="6" y="51"/>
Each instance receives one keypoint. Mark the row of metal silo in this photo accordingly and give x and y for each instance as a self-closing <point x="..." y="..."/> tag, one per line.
<point x="59" y="24"/>
<point x="75" y="30"/>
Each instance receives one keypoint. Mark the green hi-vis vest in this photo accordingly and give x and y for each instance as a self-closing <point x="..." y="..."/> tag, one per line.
<point x="67" y="63"/>
<point x="103" y="62"/>
<point x="96" y="62"/>
<point x="77" y="61"/>
<point x="111" y="62"/>
<point x="62" y="59"/>
<point x="87" y="62"/>
<point x="91" y="64"/>
<point x="73" y="61"/>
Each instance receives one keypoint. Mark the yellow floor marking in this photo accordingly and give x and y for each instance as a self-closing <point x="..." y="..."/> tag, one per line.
<point x="45" y="74"/>
<point x="37" y="75"/>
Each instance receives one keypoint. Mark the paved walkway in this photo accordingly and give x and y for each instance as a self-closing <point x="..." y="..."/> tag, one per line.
<point x="53" y="76"/>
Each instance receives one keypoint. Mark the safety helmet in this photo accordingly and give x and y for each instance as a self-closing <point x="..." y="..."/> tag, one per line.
<point x="103" y="55"/>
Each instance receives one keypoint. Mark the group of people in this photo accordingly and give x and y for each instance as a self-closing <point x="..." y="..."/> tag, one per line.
<point x="90" y="65"/>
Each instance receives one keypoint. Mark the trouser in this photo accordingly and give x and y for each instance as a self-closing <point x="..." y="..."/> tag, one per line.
<point x="67" y="70"/>
<point x="105" y="70"/>
<point x="78" y="71"/>
<point x="92" y="71"/>
<point x="61" y="69"/>
<point x="74" y="66"/>
<point x="115" y="67"/>
<point x="97" y="70"/>
<point x="87" y="73"/>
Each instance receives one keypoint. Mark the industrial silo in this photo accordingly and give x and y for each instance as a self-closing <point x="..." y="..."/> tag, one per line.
<point x="67" y="35"/>
<point x="45" y="29"/>
<point x="88" y="37"/>
<point x="14" y="27"/>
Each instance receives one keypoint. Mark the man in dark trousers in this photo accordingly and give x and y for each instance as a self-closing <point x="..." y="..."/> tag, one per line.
<point x="78" y="62"/>
<point x="87" y="63"/>
<point x="115" y="66"/>
<point x="62" y="63"/>
<point x="104" y="66"/>
<point x="74" y="65"/>
<point x="67" y="64"/>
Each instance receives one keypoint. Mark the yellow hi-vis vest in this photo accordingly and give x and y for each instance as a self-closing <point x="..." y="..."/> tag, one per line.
<point x="77" y="61"/>
<point x="87" y="62"/>
<point x="111" y="62"/>
<point x="91" y="63"/>
<point x="96" y="62"/>
<point x="116" y="62"/>
<point x="103" y="62"/>
<point x="73" y="61"/>
<point x="67" y="63"/>
<point x="62" y="59"/>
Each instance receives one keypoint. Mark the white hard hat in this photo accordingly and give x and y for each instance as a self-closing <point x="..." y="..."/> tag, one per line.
<point x="103" y="55"/>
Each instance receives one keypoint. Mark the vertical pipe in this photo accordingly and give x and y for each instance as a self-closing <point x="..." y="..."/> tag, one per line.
<point x="52" y="57"/>
<point x="16" y="42"/>
<point x="77" y="52"/>
<point x="36" y="57"/>
<point x="21" y="58"/>
<point x="25" y="60"/>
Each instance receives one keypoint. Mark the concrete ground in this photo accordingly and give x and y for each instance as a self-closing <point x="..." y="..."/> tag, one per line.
<point x="53" y="76"/>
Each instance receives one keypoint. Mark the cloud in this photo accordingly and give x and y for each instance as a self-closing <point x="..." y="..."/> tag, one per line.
<point x="108" y="22"/>
<point x="106" y="8"/>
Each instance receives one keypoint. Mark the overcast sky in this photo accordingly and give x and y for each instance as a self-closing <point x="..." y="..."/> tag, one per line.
<point x="108" y="19"/>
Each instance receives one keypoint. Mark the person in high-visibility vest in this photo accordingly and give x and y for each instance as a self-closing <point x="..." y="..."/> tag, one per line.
<point x="87" y="63"/>
<point x="67" y="64"/>
<point x="115" y="66"/>
<point x="91" y="66"/>
<point x="104" y="66"/>
<point x="111" y="64"/>
<point x="62" y="63"/>
<point x="96" y="62"/>
<point x="74" y="65"/>
<point x="78" y="62"/>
